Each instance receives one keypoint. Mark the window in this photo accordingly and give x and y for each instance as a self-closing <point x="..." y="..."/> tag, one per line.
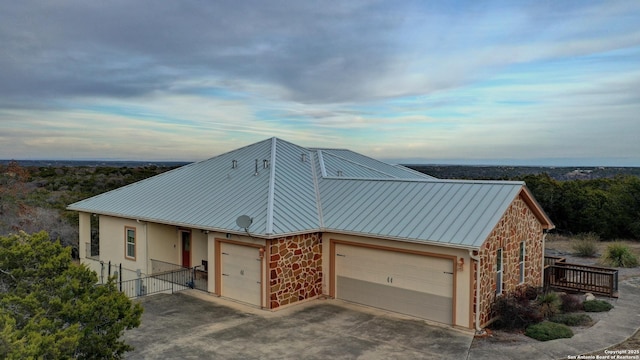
<point x="130" y="243"/>
<point x="521" y="262"/>
<point x="499" y="272"/>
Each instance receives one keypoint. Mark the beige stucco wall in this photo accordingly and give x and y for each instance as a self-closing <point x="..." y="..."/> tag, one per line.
<point x="463" y="277"/>
<point x="112" y="245"/>
<point x="153" y="241"/>
<point x="84" y="233"/>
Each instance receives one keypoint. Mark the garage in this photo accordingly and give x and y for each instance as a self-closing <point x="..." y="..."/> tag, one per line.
<point x="410" y="283"/>
<point x="240" y="273"/>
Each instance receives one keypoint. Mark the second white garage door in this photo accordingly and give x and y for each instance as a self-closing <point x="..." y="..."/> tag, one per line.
<point x="411" y="284"/>
<point x="240" y="273"/>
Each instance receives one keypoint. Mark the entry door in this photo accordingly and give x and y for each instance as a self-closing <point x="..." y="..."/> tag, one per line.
<point x="240" y="273"/>
<point x="412" y="284"/>
<point x="186" y="248"/>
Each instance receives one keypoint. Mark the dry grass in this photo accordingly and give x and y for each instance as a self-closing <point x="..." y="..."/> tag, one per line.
<point x="565" y="244"/>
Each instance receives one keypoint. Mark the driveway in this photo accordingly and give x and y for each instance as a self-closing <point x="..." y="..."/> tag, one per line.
<point x="181" y="326"/>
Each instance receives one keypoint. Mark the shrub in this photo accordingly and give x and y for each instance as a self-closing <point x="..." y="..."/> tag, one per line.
<point x="548" y="330"/>
<point x="597" y="306"/>
<point x="525" y="293"/>
<point x="619" y="255"/>
<point x="572" y="319"/>
<point x="570" y="303"/>
<point x="514" y="313"/>
<point x="586" y="245"/>
<point x="549" y="304"/>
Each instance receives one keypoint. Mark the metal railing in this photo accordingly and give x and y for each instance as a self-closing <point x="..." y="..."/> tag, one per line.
<point x="583" y="278"/>
<point x="197" y="279"/>
<point x="169" y="281"/>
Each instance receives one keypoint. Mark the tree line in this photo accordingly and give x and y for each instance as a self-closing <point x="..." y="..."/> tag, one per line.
<point x="608" y="207"/>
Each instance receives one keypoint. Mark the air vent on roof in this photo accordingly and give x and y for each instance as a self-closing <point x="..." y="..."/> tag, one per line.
<point x="256" y="173"/>
<point x="234" y="164"/>
<point x="339" y="173"/>
<point x="265" y="163"/>
<point x="304" y="157"/>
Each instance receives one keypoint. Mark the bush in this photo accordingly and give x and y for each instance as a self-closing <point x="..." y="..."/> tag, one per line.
<point x="570" y="303"/>
<point x="549" y="304"/>
<point x="619" y="255"/>
<point x="572" y="319"/>
<point x="514" y="313"/>
<point x="525" y="293"/>
<point x="586" y="245"/>
<point x="597" y="306"/>
<point x="547" y="330"/>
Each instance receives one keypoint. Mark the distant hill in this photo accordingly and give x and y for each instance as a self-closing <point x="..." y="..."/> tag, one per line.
<point x="510" y="172"/>
<point x="94" y="163"/>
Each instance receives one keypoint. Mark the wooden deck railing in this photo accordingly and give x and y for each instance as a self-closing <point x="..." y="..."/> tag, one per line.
<point x="567" y="276"/>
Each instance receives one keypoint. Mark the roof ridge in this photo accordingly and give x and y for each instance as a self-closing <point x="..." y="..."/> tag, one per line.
<point x="272" y="185"/>
<point x="360" y="164"/>
<point x="433" y="180"/>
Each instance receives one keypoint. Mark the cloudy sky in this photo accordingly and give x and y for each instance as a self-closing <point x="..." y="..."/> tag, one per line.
<point x="496" y="82"/>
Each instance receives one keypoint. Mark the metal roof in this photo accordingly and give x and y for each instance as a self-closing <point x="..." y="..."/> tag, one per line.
<point x="288" y="189"/>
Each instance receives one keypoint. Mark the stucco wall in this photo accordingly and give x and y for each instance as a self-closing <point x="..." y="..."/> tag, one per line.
<point x="517" y="224"/>
<point x="463" y="282"/>
<point x="112" y="245"/>
<point x="153" y="241"/>
<point x="295" y="269"/>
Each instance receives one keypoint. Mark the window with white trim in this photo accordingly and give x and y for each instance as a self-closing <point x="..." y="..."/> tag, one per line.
<point x="130" y="243"/>
<point x="521" y="264"/>
<point x="499" y="272"/>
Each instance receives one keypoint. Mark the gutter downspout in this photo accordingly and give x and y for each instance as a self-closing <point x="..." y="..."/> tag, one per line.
<point x="476" y="258"/>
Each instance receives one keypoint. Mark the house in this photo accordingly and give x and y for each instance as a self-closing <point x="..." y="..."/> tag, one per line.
<point x="274" y="224"/>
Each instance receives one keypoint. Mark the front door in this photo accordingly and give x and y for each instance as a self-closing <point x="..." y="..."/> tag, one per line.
<point x="186" y="248"/>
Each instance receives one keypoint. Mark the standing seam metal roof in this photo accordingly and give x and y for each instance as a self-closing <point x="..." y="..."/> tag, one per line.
<point x="281" y="186"/>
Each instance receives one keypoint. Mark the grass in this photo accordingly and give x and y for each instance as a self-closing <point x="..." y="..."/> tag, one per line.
<point x="596" y="306"/>
<point x="586" y="245"/>
<point x="548" y="330"/>
<point x="572" y="319"/>
<point x="619" y="255"/>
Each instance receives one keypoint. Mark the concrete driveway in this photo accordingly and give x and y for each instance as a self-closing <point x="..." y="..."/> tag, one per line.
<point x="181" y="326"/>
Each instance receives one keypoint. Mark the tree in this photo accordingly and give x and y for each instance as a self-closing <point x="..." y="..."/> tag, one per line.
<point x="52" y="308"/>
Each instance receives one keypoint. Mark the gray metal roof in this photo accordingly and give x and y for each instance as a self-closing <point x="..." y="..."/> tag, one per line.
<point x="288" y="189"/>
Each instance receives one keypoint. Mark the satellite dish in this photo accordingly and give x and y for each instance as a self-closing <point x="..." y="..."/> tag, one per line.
<point x="244" y="221"/>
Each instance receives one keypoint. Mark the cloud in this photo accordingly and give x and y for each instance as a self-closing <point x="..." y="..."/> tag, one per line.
<point x="190" y="79"/>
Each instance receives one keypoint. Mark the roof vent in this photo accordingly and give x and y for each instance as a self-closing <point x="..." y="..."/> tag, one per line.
<point x="339" y="173"/>
<point x="265" y="163"/>
<point x="304" y="157"/>
<point x="234" y="164"/>
<point x="256" y="173"/>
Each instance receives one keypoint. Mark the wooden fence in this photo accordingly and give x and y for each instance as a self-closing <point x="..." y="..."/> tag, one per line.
<point x="575" y="277"/>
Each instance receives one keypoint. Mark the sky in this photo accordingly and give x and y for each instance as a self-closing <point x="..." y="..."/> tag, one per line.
<point x="460" y="82"/>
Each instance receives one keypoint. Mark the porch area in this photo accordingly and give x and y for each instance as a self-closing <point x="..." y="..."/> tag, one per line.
<point x="561" y="275"/>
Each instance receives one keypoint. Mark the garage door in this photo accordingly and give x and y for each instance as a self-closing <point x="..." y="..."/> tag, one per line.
<point x="411" y="284"/>
<point x="240" y="273"/>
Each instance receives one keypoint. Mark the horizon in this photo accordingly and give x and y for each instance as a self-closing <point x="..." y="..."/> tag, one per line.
<point x="532" y="164"/>
<point x="468" y="82"/>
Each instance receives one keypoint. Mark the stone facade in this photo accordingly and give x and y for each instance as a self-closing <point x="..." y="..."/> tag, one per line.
<point x="295" y="269"/>
<point x="518" y="224"/>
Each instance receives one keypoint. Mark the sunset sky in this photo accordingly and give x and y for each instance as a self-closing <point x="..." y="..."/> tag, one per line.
<point x="465" y="82"/>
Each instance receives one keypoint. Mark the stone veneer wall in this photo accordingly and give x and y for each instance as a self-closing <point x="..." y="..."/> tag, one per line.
<point x="295" y="269"/>
<point x="518" y="224"/>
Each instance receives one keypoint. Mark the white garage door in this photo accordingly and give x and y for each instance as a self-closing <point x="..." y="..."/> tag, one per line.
<point x="240" y="273"/>
<point x="411" y="284"/>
